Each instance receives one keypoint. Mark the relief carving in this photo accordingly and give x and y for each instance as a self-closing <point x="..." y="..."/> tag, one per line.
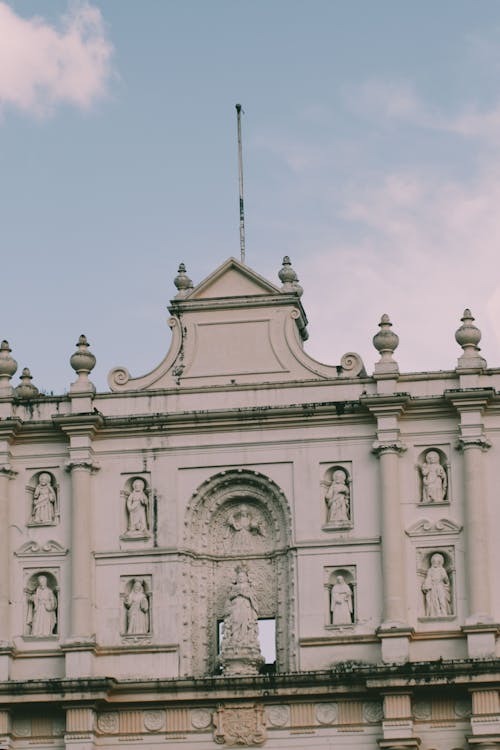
<point x="136" y="602"/>
<point x="436" y="571"/>
<point x="434" y="477"/>
<point x="44" y="500"/>
<point x="341" y="602"/>
<point x="137" y="505"/>
<point x="340" y="584"/>
<point x="336" y="487"/>
<point x="437" y="589"/>
<point x="41" y="619"/>
<point x="240" y="648"/>
<point x="242" y="725"/>
<point x="242" y="514"/>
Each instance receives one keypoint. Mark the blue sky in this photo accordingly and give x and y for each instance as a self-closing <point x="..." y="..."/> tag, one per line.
<point x="372" y="157"/>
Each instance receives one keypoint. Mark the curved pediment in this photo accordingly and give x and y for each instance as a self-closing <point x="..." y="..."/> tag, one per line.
<point x="235" y="328"/>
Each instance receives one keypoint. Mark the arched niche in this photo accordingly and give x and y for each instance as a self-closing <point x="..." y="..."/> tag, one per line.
<point x="235" y="516"/>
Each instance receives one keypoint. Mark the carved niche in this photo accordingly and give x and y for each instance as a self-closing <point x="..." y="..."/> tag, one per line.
<point x="336" y="494"/>
<point x="136" y="497"/>
<point x="43" y="499"/>
<point x="341" y="592"/>
<point x="41" y="597"/>
<point x="433" y="470"/>
<point x="436" y="581"/>
<point x="238" y="517"/>
<point x="136" y="602"/>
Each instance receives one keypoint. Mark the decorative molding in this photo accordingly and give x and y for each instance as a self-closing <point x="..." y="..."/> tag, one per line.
<point x="87" y="464"/>
<point x="34" y="549"/>
<point x="425" y="527"/>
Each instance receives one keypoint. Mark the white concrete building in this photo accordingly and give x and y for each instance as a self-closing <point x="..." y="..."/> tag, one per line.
<point x="149" y="534"/>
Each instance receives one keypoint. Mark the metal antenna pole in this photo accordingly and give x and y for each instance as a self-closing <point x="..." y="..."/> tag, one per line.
<point x="240" y="170"/>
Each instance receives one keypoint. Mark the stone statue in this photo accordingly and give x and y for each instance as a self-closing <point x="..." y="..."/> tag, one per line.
<point x="137" y="606"/>
<point x="436" y="588"/>
<point x="137" y="507"/>
<point x="341" y="602"/>
<point x="44" y="501"/>
<point x="242" y="528"/>
<point x="337" y="499"/>
<point x="42" y="610"/>
<point x="434" y="479"/>
<point x="240" y="648"/>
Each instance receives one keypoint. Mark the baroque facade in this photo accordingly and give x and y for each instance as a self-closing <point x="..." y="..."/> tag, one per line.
<point x="248" y="547"/>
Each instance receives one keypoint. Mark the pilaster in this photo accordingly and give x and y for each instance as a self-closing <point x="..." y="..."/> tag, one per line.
<point x="473" y="442"/>
<point x="397" y="724"/>
<point x="394" y="631"/>
<point x="79" y="648"/>
<point x="80" y="728"/>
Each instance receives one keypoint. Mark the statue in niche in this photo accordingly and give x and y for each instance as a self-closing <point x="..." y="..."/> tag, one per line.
<point x="240" y="648"/>
<point x="44" y="500"/>
<point x="341" y="602"/>
<point x="437" y="589"/>
<point x="137" y="606"/>
<point x="137" y="509"/>
<point x="242" y="527"/>
<point x="42" y="609"/>
<point x="434" y="479"/>
<point x="337" y="499"/>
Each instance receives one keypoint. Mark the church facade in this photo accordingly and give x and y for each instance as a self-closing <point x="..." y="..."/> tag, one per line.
<point x="247" y="547"/>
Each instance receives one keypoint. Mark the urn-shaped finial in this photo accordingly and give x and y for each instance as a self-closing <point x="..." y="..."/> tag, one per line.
<point x="468" y="337"/>
<point x="386" y="342"/>
<point x="82" y="362"/>
<point x="26" y="389"/>
<point x="8" y="367"/>
<point x="289" y="278"/>
<point x="182" y="282"/>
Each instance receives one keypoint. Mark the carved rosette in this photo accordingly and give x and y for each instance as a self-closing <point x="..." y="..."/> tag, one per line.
<point x="241" y="724"/>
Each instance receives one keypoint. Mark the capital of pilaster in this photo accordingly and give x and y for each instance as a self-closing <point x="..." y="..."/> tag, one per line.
<point x="484" y="742"/>
<point x="6" y="470"/>
<point x="380" y="447"/>
<point x="479" y="441"/>
<point x="84" y="464"/>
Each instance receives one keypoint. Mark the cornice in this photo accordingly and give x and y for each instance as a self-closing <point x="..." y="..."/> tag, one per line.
<point x="77" y="424"/>
<point x="469" y="399"/>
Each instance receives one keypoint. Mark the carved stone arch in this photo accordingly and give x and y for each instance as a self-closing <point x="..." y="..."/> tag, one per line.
<point x="236" y="515"/>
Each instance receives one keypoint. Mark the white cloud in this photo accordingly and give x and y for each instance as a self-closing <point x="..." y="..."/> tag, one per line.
<point x="42" y="66"/>
<point x="428" y="249"/>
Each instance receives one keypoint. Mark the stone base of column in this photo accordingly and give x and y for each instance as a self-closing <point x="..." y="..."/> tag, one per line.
<point x="395" y="640"/>
<point x="79" y="656"/>
<point x="481" y="640"/>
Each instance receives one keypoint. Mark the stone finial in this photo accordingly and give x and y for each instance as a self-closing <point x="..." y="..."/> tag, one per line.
<point x="469" y="336"/>
<point x="82" y="362"/>
<point x="386" y="342"/>
<point x="182" y="282"/>
<point x="26" y="389"/>
<point x="289" y="278"/>
<point x="8" y="367"/>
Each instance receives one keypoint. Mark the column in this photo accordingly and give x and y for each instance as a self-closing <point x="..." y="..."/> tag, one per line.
<point x="394" y="632"/>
